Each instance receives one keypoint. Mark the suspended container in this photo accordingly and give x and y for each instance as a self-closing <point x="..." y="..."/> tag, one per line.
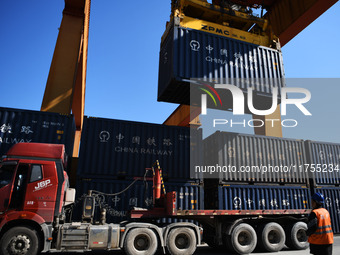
<point x="332" y="204"/>
<point x="17" y="126"/>
<point x="323" y="162"/>
<point x="254" y="158"/>
<point x="254" y="197"/>
<point x="190" y="196"/>
<point x="123" y="149"/>
<point x="187" y="53"/>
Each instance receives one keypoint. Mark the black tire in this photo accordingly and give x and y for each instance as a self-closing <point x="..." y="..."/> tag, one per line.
<point x="243" y="239"/>
<point x="20" y="240"/>
<point x="141" y="241"/>
<point x="296" y="236"/>
<point x="272" y="237"/>
<point x="181" y="241"/>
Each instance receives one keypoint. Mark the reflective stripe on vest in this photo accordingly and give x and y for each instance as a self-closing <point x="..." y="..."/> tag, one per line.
<point x="323" y="233"/>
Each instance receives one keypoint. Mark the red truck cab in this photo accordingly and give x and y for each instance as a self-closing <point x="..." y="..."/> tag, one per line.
<point x="32" y="187"/>
<point x="36" y="199"/>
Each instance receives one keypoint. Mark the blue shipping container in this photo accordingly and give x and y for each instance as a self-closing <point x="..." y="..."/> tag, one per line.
<point x="190" y="195"/>
<point x="332" y="204"/>
<point x="18" y="126"/>
<point x="324" y="162"/>
<point x="115" y="148"/>
<point x="253" y="197"/>
<point x="188" y="53"/>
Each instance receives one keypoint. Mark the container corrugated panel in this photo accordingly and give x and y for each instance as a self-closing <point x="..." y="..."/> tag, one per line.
<point x="254" y="197"/>
<point x="332" y="204"/>
<point x="190" y="195"/>
<point x="188" y="53"/>
<point x="326" y="160"/>
<point x="112" y="148"/>
<point x="18" y="125"/>
<point x="267" y="159"/>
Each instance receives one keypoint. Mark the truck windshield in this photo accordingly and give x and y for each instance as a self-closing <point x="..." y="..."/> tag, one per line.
<point x="6" y="174"/>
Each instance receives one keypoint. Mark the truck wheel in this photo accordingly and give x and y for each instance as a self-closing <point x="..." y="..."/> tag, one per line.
<point x="20" y="241"/>
<point x="296" y="236"/>
<point x="141" y="241"/>
<point x="243" y="239"/>
<point x="181" y="241"/>
<point x="272" y="237"/>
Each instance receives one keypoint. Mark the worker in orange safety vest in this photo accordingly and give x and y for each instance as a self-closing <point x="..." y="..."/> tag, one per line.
<point x="319" y="228"/>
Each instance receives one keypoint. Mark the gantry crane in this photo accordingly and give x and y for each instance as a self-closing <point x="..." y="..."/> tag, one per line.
<point x="65" y="88"/>
<point x="283" y="19"/>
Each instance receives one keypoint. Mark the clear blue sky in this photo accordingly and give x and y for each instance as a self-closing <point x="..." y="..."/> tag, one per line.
<point x="124" y="43"/>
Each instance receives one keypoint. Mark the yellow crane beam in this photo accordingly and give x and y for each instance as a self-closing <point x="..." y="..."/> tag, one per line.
<point x="289" y="17"/>
<point x="66" y="83"/>
<point x="184" y="116"/>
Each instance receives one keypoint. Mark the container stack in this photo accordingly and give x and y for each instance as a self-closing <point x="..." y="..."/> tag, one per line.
<point x="18" y="126"/>
<point x="324" y="168"/>
<point x="260" y="173"/>
<point x="114" y="153"/>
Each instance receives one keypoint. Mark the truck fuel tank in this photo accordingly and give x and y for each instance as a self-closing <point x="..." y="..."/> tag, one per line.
<point x="85" y="236"/>
<point x="104" y="236"/>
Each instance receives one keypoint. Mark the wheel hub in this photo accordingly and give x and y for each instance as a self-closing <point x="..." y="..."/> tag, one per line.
<point x="182" y="241"/>
<point x="244" y="238"/>
<point x="142" y="243"/>
<point x="273" y="237"/>
<point x="19" y="245"/>
<point x="301" y="235"/>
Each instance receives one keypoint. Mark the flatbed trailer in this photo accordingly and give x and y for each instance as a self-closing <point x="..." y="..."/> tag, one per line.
<point x="241" y="231"/>
<point x="36" y="198"/>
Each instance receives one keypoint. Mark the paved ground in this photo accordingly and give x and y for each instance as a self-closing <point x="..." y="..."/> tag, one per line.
<point x="206" y="250"/>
